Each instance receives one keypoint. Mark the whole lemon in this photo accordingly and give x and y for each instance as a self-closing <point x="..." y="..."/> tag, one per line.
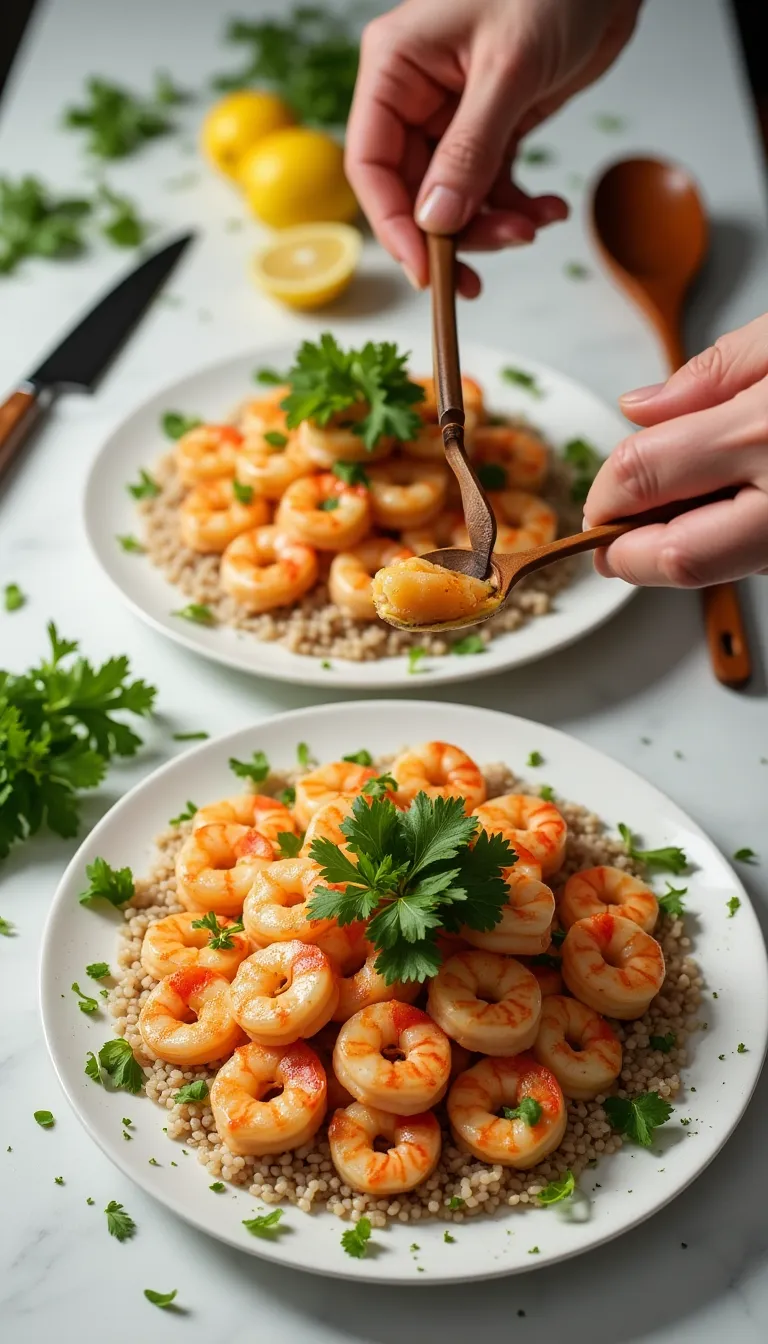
<point x="297" y="177"/>
<point x="235" y="124"/>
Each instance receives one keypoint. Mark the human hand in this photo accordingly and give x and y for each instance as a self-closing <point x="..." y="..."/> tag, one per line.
<point x="445" y="91"/>
<point x="706" y="428"/>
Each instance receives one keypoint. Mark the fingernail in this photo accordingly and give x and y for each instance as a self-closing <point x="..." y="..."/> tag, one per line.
<point x="442" y="211"/>
<point x="642" y="393"/>
<point x="411" y="278"/>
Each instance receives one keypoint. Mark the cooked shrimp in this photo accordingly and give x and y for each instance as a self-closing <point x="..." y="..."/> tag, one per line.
<point x="325" y="513"/>
<point x="520" y="452"/>
<point x="486" y="1002"/>
<point x="338" y="442"/>
<point x="269" y="468"/>
<point x="325" y="784"/>
<point x="269" y="1099"/>
<point x="461" y="1059"/>
<point x="421" y="595"/>
<point x="216" y="866"/>
<point x="267" y="815"/>
<point x="526" y="919"/>
<point x="263" y="413"/>
<point x="612" y="965"/>
<point x="433" y="536"/>
<point x="579" y="1047"/>
<point x="207" y="453"/>
<point x="323" y="1043"/>
<point x="441" y="771"/>
<point x="531" y="822"/>
<point x="478" y="1095"/>
<point x="428" y="444"/>
<point x="212" y="516"/>
<point x="325" y="824"/>
<point x="595" y="890"/>
<point x="275" y="908"/>
<point x="525" y="521"/>
<point x="264" y="569"/>
<point x="351" y="575"/>
<point x="407" y="494"/>
<point x="172" y="944"/>
<point x="413" y="1152"/>
<point x="197" y="994"/>
<point x="362" y="985"/>
<point x="394" y="1057"/>
<point x="284" y="992"/>
<point x="345" y="944"/>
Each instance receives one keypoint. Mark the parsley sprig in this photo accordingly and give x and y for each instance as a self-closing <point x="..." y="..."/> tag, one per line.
<point x="326" y="380"/>
<point x="410" y="874"/>
<point x="638" y="1117"/>
<point x="36" y="223"/>
<point x="672" y="857"/>
<point x="118" y="121"/>
<point x="221" y="934"/>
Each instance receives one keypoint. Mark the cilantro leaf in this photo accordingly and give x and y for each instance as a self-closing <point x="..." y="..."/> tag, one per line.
<point x="361" y="757"/>
<point x="92" y="1069"/>
<point x="163" y="1300"/>
<point x="117" y="1060"/>
<point x="119" y="1223"/>
<point x="290" y="844"/>
<point x="378" y="786"/>
<point x="197" y="1091"/>
<point x="326" y="380"/>
<point x="106" y="883"/>
<point x="746" y="856"/>
<point x="14" y="598"/>
<point x="35" y="223"/>
<point x="275" y="439"/>
<point x="129" y="543"/>
<point x="256" y="769"/>
<point x="672" y="858"/>
<point x="535" y="758"/>
<point x="456" y="1202"/>
<point x="529" y="1111"/>
<point x="671" y="902"/>
<point x="556" y="1191"/>
<point x="304" y="756"/>
<point x="221" y="933"/>
<point x="520" y="378"/>
<point x="217" y="1187"/>
<point x="436" y="829"/>
<point x="186" y="814"/>
<point x="288" y="796"/>
<point x="86" y="1004"/>
<point x="124" y="226"/>
<point x="638" y="1117"/>
<point x="146" y="487"/>
<point x="269" y="377"/>
<point x="175" y="423"/>
<point x="355" y="1239"/>
<point x="351" y="473"/>
<point x="264" y="1224"/>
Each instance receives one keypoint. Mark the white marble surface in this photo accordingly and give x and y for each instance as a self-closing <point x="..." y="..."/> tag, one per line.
<point x="681" y="88"/>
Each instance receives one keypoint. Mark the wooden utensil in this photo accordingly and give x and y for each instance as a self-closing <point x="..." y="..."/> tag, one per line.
<point x="651" y="230"/>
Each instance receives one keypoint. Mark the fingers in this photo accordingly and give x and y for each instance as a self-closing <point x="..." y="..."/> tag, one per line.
<point x="714" y="544"/>
<point x="732" y="364"/>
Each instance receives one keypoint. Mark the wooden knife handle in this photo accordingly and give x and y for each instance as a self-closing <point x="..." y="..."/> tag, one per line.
<point x="726" y="635"/>
<point x="18" y="416"/>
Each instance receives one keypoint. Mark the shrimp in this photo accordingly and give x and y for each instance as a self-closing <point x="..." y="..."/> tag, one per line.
<point x="407" y="494"/>
<point x="441" y="771"/>
<point x="207" y="453"/>
<point x="325" y="824"/>
<point x="526" y="522"/>
<point x="263" y="413"/>
<point x="197" y="994"/>
<point x="595" y="890"/>
<point x="362" y="985"/>
<point x="325" y="784"/>
<point x="350" y="582"/>
<point x="275" y="909"/>
<point x="269" y="467"/>
<point x="216" y="865"/>
<point x="421" y="595"/>
<point x="325" y="513"/>
<point x="269" y="1099"/>
<point x="174" y="944"/>
<point x="478" y="1095"/>
<point x="524" y="819"/>
<point x="526" y="919"/>
<point x="612" y="965"/>
<point x="579" y="1047"/>
<point x="521" y="453"/>
<point x="338" y="442"/>
<point x="428" y="444"/>
<point x="263" y="569"/>
<point x="212" y="516"/>
<point x="322" y="1043"/>
<point x="436" y="534"/>
<point x="345" y="944"/>
<point x="412" y="1152"/>
<point x="267" y="815"/>
<point x="284" y="992"/>
<point x="394" y="1057"/>
<point x="488" y="1003"/>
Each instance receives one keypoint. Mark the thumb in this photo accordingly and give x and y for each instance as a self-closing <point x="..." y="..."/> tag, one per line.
<point x="471" y="152"/>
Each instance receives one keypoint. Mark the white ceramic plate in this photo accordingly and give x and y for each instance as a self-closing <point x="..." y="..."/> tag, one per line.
<point x="566" y="411"/>
<point x="632" y="1186"/>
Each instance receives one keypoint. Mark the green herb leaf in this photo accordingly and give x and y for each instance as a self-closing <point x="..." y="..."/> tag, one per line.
<point x="610" y="122"/>
<point x="638" y="1117"/>
<point x="197" y="612"/>
<point x="519" y="378"/>
<point x="330" y="504"/>
<point x="304" y="756"/>
<point x="746" y="856"/>
<point x="379" y="786"/>
<point x="326" y="380"/>
<point x="741" y="1048"/>
<point x="492" y="475"/>
<point x="556" y="1191"/>
<point x="361" y="757"/>
<point x="576" y="270"/>
<point x="672" y="858"/>
<point x="129" y="543"/>
<point x="14" y="598"/>
<point x="106" y="883"/>
<point x="558" y="937"/>
<point x="586" y="462"/>
<point x="275" y="439"/>
<point x="547" y="793"/>
<point x="175" y="423"/>
<point x="92" y="1069"/>
<point x="355" y="1239"/>
<point x="119" y="1223"/>
<point x="288" y="796"/>
<point x="415" y="655"/>
<point x="124" y="227"/>
<point x="243" y="493"/>
<point x="217" y="1187"/>
<point x="456" y="1202"/>
<point x="167" y="92"/>
<point x="469" y="644"/>
<point x="448" y="1238"/>
<point x="535" y="758"/>
<point x="197" y="1091"/>
<point x="663" y="1043"/>
<point x="6" y="928"/>
<point x="186" y="814"/>
<point x="529" y="1111"/>
<point x="163" y="1300"/>
<point x="190" y="737"/>
<point x="124" y="1072"/>
<point x="222" y="933"/>
<point x="44" y="1119"/>
<point x="290" y="844"/>
<point x="145" y="488"/>
<point x="537" y="155"/>
<point x="117" y="121"/>
<point x="671" y="902"/>
<point x="256" y="769"/>
<point x="352" y="473"/>
<point x="264" y="1224"/>
<point x="270" y="377"/>
<point x="733" y="904"/>
<point x="86" y="1004"/>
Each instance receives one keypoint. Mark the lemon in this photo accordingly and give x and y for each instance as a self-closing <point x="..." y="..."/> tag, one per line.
<point x="309" y="265"/>
<point x="296" y="176"/>
<point x="236" y="123"/>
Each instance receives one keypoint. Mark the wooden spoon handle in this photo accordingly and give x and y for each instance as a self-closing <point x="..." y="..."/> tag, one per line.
<point x="726" y="635"/>
<point x="445" y="342"/>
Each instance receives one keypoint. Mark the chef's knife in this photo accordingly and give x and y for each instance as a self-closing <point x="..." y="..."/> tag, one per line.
<point x="84" y="354"/>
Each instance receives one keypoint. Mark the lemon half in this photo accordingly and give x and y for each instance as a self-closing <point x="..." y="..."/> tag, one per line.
<point x="309" y="265"/>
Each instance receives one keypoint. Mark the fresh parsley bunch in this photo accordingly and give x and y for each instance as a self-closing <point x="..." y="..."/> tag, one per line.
<point x="58" y="734"/>
<point x="118" y="121"/>
<point x="326" y="381"/>
<point x="416" y="872"/>
<point x="36" y="223"/>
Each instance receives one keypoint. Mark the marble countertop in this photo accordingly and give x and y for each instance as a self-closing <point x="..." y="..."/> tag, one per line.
<point x="681" y="90"/>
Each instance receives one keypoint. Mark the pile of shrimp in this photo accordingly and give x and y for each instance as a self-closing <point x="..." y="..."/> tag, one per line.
<point x="262" y="507"/>
<point x="296" y="1029"/>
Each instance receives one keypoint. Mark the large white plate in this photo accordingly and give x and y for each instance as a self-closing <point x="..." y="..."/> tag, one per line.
<point x="566" y="411"/>
<point x="633" y="1184"/>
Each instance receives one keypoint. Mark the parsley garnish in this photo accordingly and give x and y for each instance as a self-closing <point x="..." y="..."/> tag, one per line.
<point x="269" y="377"/>
<point x="733" y="905"/>
<point x="520" y="378"/>
<point x="197" y="612"/>
<point x="361" y="757"/>
<point x="557" y="1191"/>
<point x="129" y="543"/>
<point x="415" y="873"/>
<point x="379" y="786"/>
<point x="672" y="900"/>
<point x="44" y="1119"/>
<point x="330" y="504"/>
<point x="175" y="423"/>
<point x="34" y="223"/>
<point x="264" y="1224"/>
<point x="355" y="1239"/>
<point x="197" y="1091"/>
<point x="106" y="883"/>
<point x="547" y="793"/>
<point x="576" y="270"/>
<point x="119" y="1223"/>
<point x="529" y="1110"/>
<point x="117" y="121"/>
<point x="186" y="814"/>
<point x="58" y="1180"/>
<point x="124" y="227"/>
<point x="13" y="598"/>
<point x="222" y="933"/>
<point x="325" y="380"/>
<point x="304" y="756"/>
<point x="741" y="1048"/>
<point x="146" y="487"/>
<point x="351" y="473"/>
<point x="639" y="1116"/>
<point x="275" y="439"/>
<point x="491" y="475"/>
<point x="160" y="1299"/>
<point x="288" y="796"/>
<point x="535" y="758"/>
<point x="217" y="1187"/>
<point x="243" y="493"/>
<point x="116" y="1059"/>
<point x="256" y="769"/>
<point x="6" y="927"/>
<point x="746" y="856"/>
<point x="92" y="1069"/>
<point x="190" y="737"/>
<point x="86" y="1004"/>
<point x="610" y="122"/>
<point x="672" y="858"/>
<point x="290" y="844"/>
<point x="448" y="1238"/>
<point x="415" y="655"/>
<point x="469" y="644"/>
<point x="586" y="462"/>
<point x="663" y="1043"/>
<point x="456" y="1202"/>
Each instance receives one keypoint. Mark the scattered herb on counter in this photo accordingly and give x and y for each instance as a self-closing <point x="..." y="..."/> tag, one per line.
<point x="269" y="377"/>
<point x="256" y="769"/>
<point x="221" y="933"/>
<point x="663" y="1043"/>
<point x="163" y="1300"/>
<point x="535" y="758"/>
<point x="556" y="1191"/>
<point x="361" y="757"/>
<point x="145" y="488"/>
<point x="35" y="223"/>
<point x="174" y="424"/>
<point x="85" y="1003"/>
<point x="6" y="928"/>
<point x="92" y="1069"/>
<point x="58" y="1180"/>
<point x="196" y="1091"/>
<point x="275" y="439"/>
<point x="469" y="644"/>
<point x="114" y="885"/>
<point x="168" y="93"/>
<point x="586" y="462"/>
<point x="124" y="226"/>
<point x="326" y="665"/>
<point x="741" y="1048"/>
<point x="186" y="814"/>
<point x="243" y="493"/>
<point x="124" y="1072"/>
<point x="520" y="378"/>
<point x="190" y="737"/>
<point x="491" y="475"/>
<point x="746" y="856"/>
<point x="351" y="473"/>
<point x="537" y="155"/>
<point x="576" y="270"/>
<point x="733" y="905"/>
<point x="129" y="543"/>
<point x="13" y="599"/>
<point x="355" y="1239"/>
<point x="290" y="844"/>
<point x="671" y="901"/>
<point x="117" y="121"/>
<point x="264" y="1224"/>
<point x="415" y="872"/>
<point x="529" y="1111"/>
<point x="672" y="858"/>
<point x="415" y="655"/>
<point x="638" y="1117"/>
<point x="119" y="1223"/>
<point x="44" y="1119"/>
<point x="196" y="612"/>
<point x="325" y="379"/>
<point x="610" y="122"/>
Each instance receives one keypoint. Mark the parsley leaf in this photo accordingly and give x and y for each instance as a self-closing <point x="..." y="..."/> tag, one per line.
<point x="119" y="1223"/>
<point x="586" y="462"/>
<point x="146" y="487"/>
<point x="351" y="473"/>
<point x="456" y="1202"/>
<point x="469" y="644"/>
<point x="190" y="737"/>
<point x="746" y="856"/>
<point x="186" y="814"/>
<point x="663" y="1043"/>
<point x="379" y="786"/>
<point x="304" y="756"/>
<point x="44" y="1119"/>
<point x="86" y="1004"/>
<point x="217" y="1187"/>
<point x="14" y="598"/>
<point x="325" y="380"/>
<point x="546" y="792"/>
<point x="92" y="1069"/>
<point x="197" y="1091"/>
<point x="290" y="844"/>
<point x="129" y="543"/>
<point x="197" y="612"/>
<point x="415" y="655"/>
<point x="116" y="1059"/>
<point x="638" y="1116"/>
<point x="35" y="223"/>
<point x="106" y="883"/>
<point x="535" y="758"/>
<point x="6" y="927"/>
<point x="520" y="378"/>
<point x="117" y="121"/>
<point x="275" y="439"/>
<point x="124" y="227"/>
<point x="576" y="270"/>
<point x="672" y="858"/>
<point x="733" y="904"/>
<point x="529" y="1110"/>
<point x="288" y="796"/>
<point x="256" y="769"/>
<point x="160" y="1299"/>
<point x="361" y="757"/>
<point x="264" y="1224"/>
<point x="330" y="504"/>
<point x="175" y="423"/>
<point x="671" y="902"/>
<point x="243" y="493"/>
<point x="741" y="1048"/>
<point x="222" y="933"/>
<point x="269" y="377"/>
<point x="556" y="1191"/>
<point x="355" y="1239"/>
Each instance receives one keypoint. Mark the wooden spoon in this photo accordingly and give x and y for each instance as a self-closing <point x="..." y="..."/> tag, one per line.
<point x="651" y="229"/>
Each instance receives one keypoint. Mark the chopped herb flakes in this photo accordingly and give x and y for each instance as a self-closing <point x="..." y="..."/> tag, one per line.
<point x="163" y="1300"/>
<point x="145" y="488"/>
<point x="746" y="856"/>
<point x="6" y="928"/>
<point x="529" y="1111"/>
<point x="448" y="1238"/>
<point x="535" y="758"/>
<point x="576" y="270"/>
<point x="351" y="473"/>
<point x="733" y="905"/>
<point x="217" y="1187"/>
<point x="275" y="439"/>
<point x="415" y="655"/>
<point x="129" y="543"/>
<point x="456" y="1202"/>
<point x="671" y="902"/>
<point x="221" y="933"/>
<point x="92" y="1069"/>
<point x="469" y="644"/>
<point x="663" y="1043"/>
<point x="186" y="814"/>
<point x="190" y="737"/>
<point x="586" y="462"/>
<point x="118" y="121"/>
<point x="243" y="493"/>
<point x="44" y="1119"/>
<point x="174" y="424"/>
<point x="85" y="1004"/>
<point x="361" y="757"/>
<point x="741" y="1048"/>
